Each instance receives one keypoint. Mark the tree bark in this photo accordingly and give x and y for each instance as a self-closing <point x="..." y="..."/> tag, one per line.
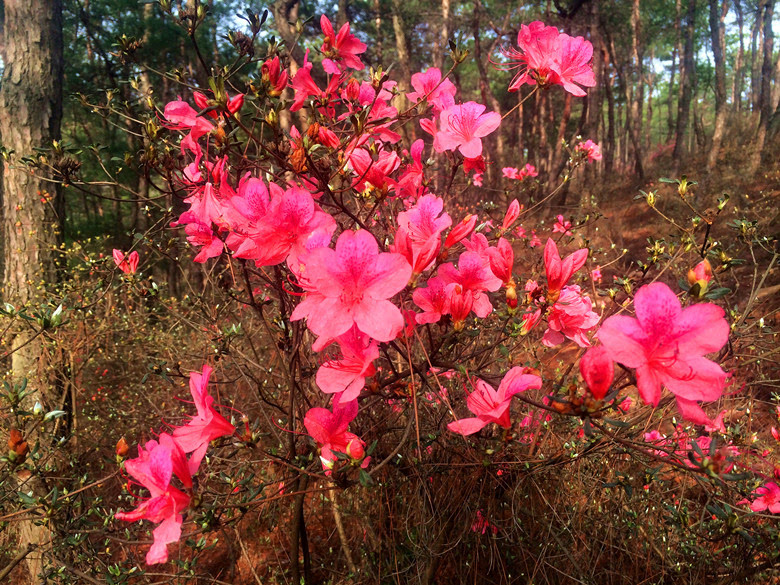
<point x="686" y="82"/>
<point x="30" y="117"/>
<point x="755" y="49"/>
<point x="440" y="46"/>
<point x="718" y="13"/>
<point x="765" y="98"/>
<point x="739" y="75"/>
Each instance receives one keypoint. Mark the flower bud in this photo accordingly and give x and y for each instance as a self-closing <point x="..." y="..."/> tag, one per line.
<point x="356" y="450"/>
<point x="598" y="371"/>
<point x="122" y="448"/>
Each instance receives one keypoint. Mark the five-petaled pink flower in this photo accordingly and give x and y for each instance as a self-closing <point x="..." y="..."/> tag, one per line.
<point x="440" y="94"/>
<point x="562" y="226"/>
<point x="547" y="57"/>
<point x="589" y="149"/>
<point x="560" y="271"/>
<point x="352" y="285"/>
<point x="329" y="430"/>
<point x="463" y="126"/>
<point x="492" y="406"/>
<point x="342" y="48"/>
<point x="666" y="345"/>
<point x="768" y="498"/>
<point x="127" y="263"/>
<point x="347" y="376"/>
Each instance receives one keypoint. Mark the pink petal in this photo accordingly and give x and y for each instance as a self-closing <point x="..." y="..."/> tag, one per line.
<point x="467" y="426"/>
<point x="622" y="337"/>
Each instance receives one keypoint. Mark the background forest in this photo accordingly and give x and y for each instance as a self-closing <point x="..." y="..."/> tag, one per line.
<point x="686" y="110"/>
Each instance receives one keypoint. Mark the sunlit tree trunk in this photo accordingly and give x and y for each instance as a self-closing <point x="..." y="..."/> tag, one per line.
<point x="30" y="116"/>
<point x="765" y="98"/>
<point x="686" y="82"/>
<point x="739" y="79"/>
<point x="718" y="13"/>
<point x="440" y="45"/>
<point x="755" y="51"/>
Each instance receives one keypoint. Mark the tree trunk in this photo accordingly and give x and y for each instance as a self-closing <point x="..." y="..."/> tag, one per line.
<point x="739" y="75"/>
<point x="30" y="116"/>
<point x="765" y="98"/>
<point x="440" y="45"/>
<point x="686" y="82"/>
<point x="718" y="37"/>
<point x="402" y="58"/>
<point x="755" y="49"/>
<point x="678" y="54"/>
<point x="484" y="86"/>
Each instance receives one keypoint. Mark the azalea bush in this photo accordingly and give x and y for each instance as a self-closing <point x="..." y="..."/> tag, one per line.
<point x="403" y="371"/>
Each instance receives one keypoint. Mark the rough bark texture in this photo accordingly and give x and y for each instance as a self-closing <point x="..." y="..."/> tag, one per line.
<point x="686" y="83"/>
<point x="765" y="97"/>
<point x="30" y="115"/>
<point x="718" y="37"/>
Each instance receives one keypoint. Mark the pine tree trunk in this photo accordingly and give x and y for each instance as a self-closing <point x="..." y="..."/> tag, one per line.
<point x="739" y="74"/>
<point x="686" y="82"/>
<point x="30" y="116"/>
<point x="718" y="37"/>
<point x="765" y="97"/>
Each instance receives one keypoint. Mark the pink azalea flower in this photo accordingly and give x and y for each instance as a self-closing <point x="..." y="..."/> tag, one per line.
<point x="539" y="46"/>
<point x="528" y="170"/>
<point x="626" y="404"/>
<point x="374" y="173"/>
<point x="474" y="164"/>
<point x="589" y="149"/>
<point x="502" y="259"/>
<point x="347" y="376"/>
<point x="666" y="345"/>
<point x="273" y="75"/>
<point x="410" y="183"/>
<point x="474" y="275"/>
<point x="127" y="263"/>
<point x="428" y="85"/>
<point x="342" y="48"/>
<point x="183" y="116"/>
<point x="418" y="236"/>
<point x="510" y="172"/>
<point x="463" y="126"/>
<point x="560" y="271"/>
<point x="598" y="371"/>
<point x="352" y="285"/>
<point x="595" y="274"/>
<point x="203" y="236"/>
<point x="548" y="57"/>
<point x="492" y="406"/>
<point x="304" y="85"/>
<point x="291" y="218"/>
<point x="534" y="241"/>
<point x="432" y="299"/>
<point x="461" y="230"/>
<point x="571" y="316"/>
<point x="154" y="469"/>
<point x="572" y="66"/>
<point x="329" y="430"/>
<point x="207" y="425"/>
<point x="512" y="213"/>
<point x="233" y="105"/>
<point x="477" y="179"/>
<point x="768" y="498"/>
<point x="562" y="226"/>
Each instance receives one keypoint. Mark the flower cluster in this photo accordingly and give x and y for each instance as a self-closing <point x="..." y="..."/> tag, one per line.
<point x="160" y="461"/>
